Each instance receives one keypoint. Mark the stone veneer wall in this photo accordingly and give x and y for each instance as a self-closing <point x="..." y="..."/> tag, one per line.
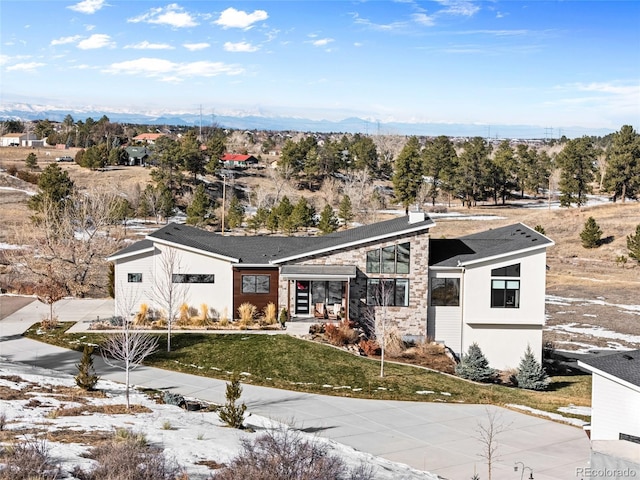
<point x="411" y="320"/>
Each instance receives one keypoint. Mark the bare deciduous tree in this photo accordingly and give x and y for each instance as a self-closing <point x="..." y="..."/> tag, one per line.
<point x="169" y="295"/>
<point x="50" y="289"/>
<point x="376" y="318"/>
<point x="487" y="433"/>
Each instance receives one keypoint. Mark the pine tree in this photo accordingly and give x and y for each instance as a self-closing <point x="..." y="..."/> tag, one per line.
<point x="345" y="211"/>
<point x="407" y="177"/>
<point x="591" y="234"/>
<point x="86" y="377"/>
<point x="31" y="162"/>
<point x="236" y="213"/>
<point x="231" y="413"/>
<point x="328" y="222"/>
<point x="198" y="210"/>
<point x="531" y="374"/>
<point x="633" y="244"/>
<point x="475" y="366"/>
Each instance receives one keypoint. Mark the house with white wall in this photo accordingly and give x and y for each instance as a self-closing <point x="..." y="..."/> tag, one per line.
<point x="486" y="288"/>
<point x="615" y="411"/>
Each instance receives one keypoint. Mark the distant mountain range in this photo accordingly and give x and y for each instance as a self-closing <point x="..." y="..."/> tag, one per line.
<point x="23" y="111"/>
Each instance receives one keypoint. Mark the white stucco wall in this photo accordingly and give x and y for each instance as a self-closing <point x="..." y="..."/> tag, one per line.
<point x="217" y="295"/>
<point x="503" y="345"/>
<point x="615" y="409"/>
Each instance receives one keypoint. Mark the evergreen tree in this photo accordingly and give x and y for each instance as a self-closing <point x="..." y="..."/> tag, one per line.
<point x="623" y="165"/>
<point x="86" y="377"/>
<point x="473" y="171"/>
<point x="328" y="221"/>
<point x="31" y="162"/>
<point x="591" y="234"/>
<point x="302" y="215"/>
<point x="272" y="221"/>
<point x="531" y="374"/>
<point x="345" y="211"/>
<point x="198" y="212"/>
<point x="235" y="216"/>
<point x="633" y="244"/>
<point x="439" y="162"/>
<point x="475" y="366"/>
<point x="258" y="220"/>
<point x="231" y="413"/>
<point x="576" y="162"/>
<point x="407" y="177"/>
<point x="55" y="187"/>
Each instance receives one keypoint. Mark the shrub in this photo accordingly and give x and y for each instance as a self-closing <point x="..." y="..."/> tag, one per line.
<point x="591" y="234"/>
<point x="340" y="333"/>
<point x="633" y="244"/>
<point x="26" y="460"/>
<point x="539" y="229"/>
<point x="142" y="316"/>
<point x="475" y="366"/>
<point x="184" y="316"/>
<point x="128" y="459"/>
<point x="231" y="413"/>
<point x="369" y="347"/>
<point x="284" y="454"/>
<point x="176" y="399"/>
<point x="86" y="377"/>
<point x="531" y="374"/>
<point x="270" y="313"/>
<point x="246" y="312"/>
<point x="224" y="318"/>
<point x="282" y="319"/>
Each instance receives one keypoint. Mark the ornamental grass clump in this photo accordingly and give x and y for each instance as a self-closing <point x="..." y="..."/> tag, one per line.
<point x="246" y="312"/>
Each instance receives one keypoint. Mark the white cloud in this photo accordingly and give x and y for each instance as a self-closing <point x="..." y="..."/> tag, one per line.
<point x="25" y="67"/>
<point x="232" y="18"/>
<point x="322" y="42"/>
<point x="609" y="88"/>
<point x="65" y="40"/>
<point x="97" y="40"/>
<point x="145" y="45"/>
<point x="424" y="19"/>
<point x="169" y="71"/>
<point x="172" y="15"/>
<point x="194" y="47"/>
<point x="88" y="6"/>
<point x="240" y="47"/>
<point x="458" y="7"/>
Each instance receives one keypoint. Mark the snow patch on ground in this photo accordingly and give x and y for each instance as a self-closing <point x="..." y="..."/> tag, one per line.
<point x="553" y="416"/>
<point x="576" y="410"/>
<point x="595" y="331"/>
<point x="191" y="438"/>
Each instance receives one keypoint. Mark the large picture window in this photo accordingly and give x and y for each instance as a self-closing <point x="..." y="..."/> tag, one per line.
<point x="256" y="283"/>
<point x="445" y="292"/>
<point x="388" y="291"/>
<point x="192" y="278"/>
<point x="391" y="259"/>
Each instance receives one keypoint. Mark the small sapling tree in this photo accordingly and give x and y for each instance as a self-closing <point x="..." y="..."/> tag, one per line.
<point x="531" y="374"/>
<point x="633" y="244"/>
<point x="86" y="377"/>
<point x="232" y="413"/>
<point x="475" y="366"/>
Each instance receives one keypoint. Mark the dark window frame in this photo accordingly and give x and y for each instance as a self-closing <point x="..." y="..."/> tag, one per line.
<point x="252" y="281"/>
<point x="506" y="295"/>
<point x="134" y="277"/>
<point x="398" y="297"/>
<point x="376" y="262"/>
<point x="446" y="299"/>
<point x="193" y="278"/>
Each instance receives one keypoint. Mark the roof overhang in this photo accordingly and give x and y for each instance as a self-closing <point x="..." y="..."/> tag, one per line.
<point x="609" y="376"/>
<point x="114" y="258"/>
<point x="318" y="272"/>
<point x="199" y="251"/>
<point x="504" y="255"/>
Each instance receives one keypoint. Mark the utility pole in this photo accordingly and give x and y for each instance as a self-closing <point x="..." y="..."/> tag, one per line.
<point x="224" y="197"/>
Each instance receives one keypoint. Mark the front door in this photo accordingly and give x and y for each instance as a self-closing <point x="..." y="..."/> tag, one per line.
<point x="302" y="297"/>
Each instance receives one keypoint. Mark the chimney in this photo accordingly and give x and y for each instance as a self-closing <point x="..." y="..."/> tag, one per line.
<point x="416" y="217"/>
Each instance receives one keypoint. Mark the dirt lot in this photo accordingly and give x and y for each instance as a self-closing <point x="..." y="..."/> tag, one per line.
<point x="589" y="293"/>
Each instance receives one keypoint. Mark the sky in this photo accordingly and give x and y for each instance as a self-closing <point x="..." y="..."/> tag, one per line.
<point x="553" y="64"/>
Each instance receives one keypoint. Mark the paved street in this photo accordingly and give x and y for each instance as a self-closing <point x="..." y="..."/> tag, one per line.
<point x="440" y="438"/>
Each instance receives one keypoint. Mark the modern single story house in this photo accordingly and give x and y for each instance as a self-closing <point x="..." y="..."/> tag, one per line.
<point x="487" y="288"/>
<point x="615" y="411"/>
<point x="232" y="160"/>
<point x="18" y="140"/>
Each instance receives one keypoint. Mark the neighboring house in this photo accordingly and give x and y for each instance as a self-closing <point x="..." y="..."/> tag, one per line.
<point x="232" y="160"/>
<point x="17" y="139"/>
<point x="138" y="155"/>
<point x="149" y="138"/>
<point x="615" y="411"/>
<point x="492" y="294"/>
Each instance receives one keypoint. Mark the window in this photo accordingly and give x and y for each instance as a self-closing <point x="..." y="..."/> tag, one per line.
<point x="391" y="259"/>
<point x="445" y="292"/>
<point x="192" y="278"/>
<point x="505" y="293"/>
<point x="134" y="277"/>
<point x="256" y="283"/>
<point x="388" y="291"/>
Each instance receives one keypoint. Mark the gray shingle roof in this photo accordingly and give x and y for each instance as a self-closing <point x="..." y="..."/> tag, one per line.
<point x="133" y="248"/>
<point x="487" y="244"/>
<point x="623" y="365"/>
<point x="258" y="249"/>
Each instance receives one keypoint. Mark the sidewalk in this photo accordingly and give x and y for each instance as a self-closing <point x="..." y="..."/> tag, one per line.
<point x="440" y="438"/>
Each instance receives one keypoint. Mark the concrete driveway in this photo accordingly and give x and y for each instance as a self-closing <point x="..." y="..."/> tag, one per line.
<point x="436" y="437"/>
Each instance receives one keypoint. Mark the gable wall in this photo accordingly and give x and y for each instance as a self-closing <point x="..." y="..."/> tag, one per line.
<point x="411" y="320"/>
<point x="614" y="409"/>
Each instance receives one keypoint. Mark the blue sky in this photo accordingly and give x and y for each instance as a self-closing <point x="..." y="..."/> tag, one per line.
<point x="554" y="64"/>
